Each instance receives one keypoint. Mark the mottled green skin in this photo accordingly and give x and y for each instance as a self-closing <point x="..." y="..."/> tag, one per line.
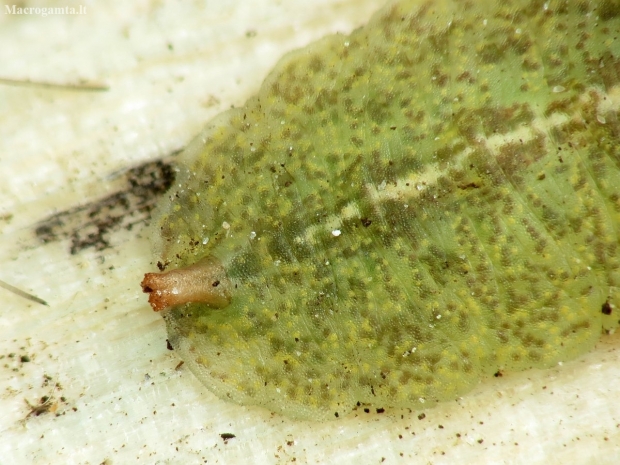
<point x="469" y="155"/>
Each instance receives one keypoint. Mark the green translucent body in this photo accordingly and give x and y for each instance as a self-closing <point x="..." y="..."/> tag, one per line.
<point x="406" y="210"/>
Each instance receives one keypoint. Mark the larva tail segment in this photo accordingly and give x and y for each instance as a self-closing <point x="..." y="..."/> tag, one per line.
<point x="203" y="282"/>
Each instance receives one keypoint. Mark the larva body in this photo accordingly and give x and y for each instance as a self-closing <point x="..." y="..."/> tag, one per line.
<point x="402" y="212"/>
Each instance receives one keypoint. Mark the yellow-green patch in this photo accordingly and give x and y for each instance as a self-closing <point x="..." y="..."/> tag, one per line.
<point x="405" y="211"/>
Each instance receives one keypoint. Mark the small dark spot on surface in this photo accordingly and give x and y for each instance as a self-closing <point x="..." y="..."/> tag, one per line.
<point x="367" y="410"/>
<point x="380" y="410"/>
<point x="470" y="185"/>
<point x="336" y="414"/>
<point x="421" y="416"/>
<point x="606" y="308"/>
<point x="24" y="359"/>
<point x="609" y="9"/>
<point x="227" y="436"/>
<point x="366" y="222"/>
<point x="498" y="374"/>
<point x="45" y="404"/>
<point x="6" y="217"/>
<point x="168" y="345"/>
<point x="215" y="283"/>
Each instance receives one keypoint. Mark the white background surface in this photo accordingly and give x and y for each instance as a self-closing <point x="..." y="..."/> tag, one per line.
<point x="170" y="66"/>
